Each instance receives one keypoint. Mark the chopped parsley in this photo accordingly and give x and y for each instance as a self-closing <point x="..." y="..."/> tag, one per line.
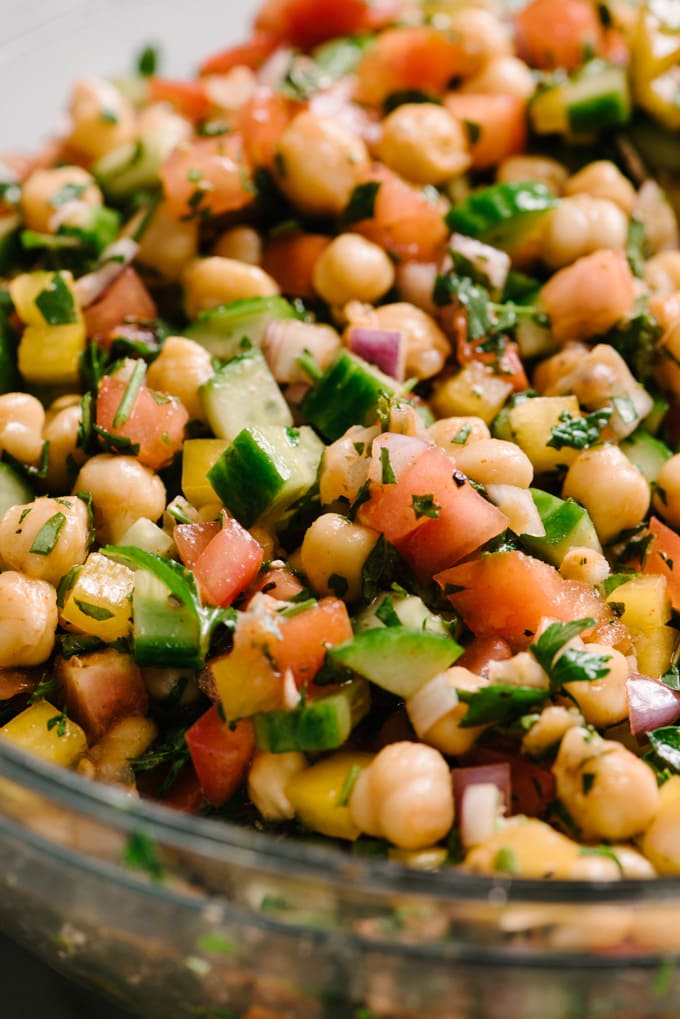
<point x="388" y="476"/>
<point x="56" y="303"/>
<point x="567" y="665"/>
<point x="361" y="204"/>
<point x="59" y="723"/>
<point x="48" y="535"/>
<point x="147" y="62"/>
<point x="386" y="613"/>
<point x="499" y="704"/>
<point x="579" y="432"/>
<point x="141" y="853"/>
<point x="130" y="394"/>
<point x="425" y="506"/>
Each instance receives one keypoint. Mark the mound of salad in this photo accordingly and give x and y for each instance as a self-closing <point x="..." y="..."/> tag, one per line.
<point x="339" y="489"/>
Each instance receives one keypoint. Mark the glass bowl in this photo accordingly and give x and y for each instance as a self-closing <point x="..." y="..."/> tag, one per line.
<point x="172" y="915"/>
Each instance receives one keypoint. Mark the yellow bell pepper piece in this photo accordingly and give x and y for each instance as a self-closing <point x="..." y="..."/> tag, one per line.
<point x="655" y="650"/>
<point x="100" y="601"/>
<point x="316" y="792"/>
<point x="198" y="456"/>
<point x="43" y="730"/>
<point x="655" y="63"/>
<point x="643" y="602"/>
<point x="55" y="335"/>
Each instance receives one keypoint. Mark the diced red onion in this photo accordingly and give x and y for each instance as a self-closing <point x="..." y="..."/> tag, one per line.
<point x="651" y="704"/>
<point x="114" y="259"/>
<point x="497" y="774"/>
<point x="384" y="348"/>
<point x="402" y="453"/>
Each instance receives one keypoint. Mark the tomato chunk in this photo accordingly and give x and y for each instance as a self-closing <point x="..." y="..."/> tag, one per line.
<point x="220" y="754"/>
<point x="101" y="688"/>
<point x="409" y="58"/>
<point x="306" y="636"/>
<point x="251" y="53"/>
<point x="228" y="564"/>
<point x="496" y="124"/>
<point x="207" y="176"/>
<point x="291" y="260"/>
<point x="155" y="423"/>
<point x="407" y="221"/>
<point x="188" y="97"/>
<point x="663" y="558"/>
<point x="125" y="300"/>
<point x="306" y="23"/>
<point x="558" y="33"/>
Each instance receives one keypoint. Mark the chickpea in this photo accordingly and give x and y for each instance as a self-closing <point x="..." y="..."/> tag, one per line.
<point x="603" y="179"/>
<point x="209" y="282"/>
<point x="632" y="863"/>
<point x="101" y="118"/>
<point x="610" y="487"/>
<point x="656" y="214"/>
<point x="447" y="734"/>
<point x="667" y="492"/>
<point x="241" y="243"/>
<point x="550" y="373"/>
<point x="28" y="620"/>
<point x="334" y="552"/>
<point x="21" y="421"/>
<point x="405" y="795"/>
<point x="320" y="163"/>
<point x="548" y="730"/>
<point x="665" y="308"/>
<point x="503" y="75"/>
<point x="122" y="490"/>
<point x="579" y="226"/>
<point x="352" y="269"/>
<point x="426" y="345"/>
<point x="61" y="527"/>
<point x="168" y="244"/>
<point x="109" y="759"/>
<point x="424" y="143"/>
<point x="481" y="35"/>
<point x="662" y="272"/>
<point x="521" y="669"/>
<point x="267" y="780"/>
<point x="42" y="197"/>
<point x="603" y="702"/>
<point x="61" y="431"/>
<point x="585" y="565"/>
<point x="542" y="169"/>
<point x="494" y="461"/>
<point x="232" y="90"/>
<point x="344" y="465"/>
<point x="180" y="369"/>
<point x="452" y="433"/>
<point x="609" y="792"/>
<point x="535" y="848"/>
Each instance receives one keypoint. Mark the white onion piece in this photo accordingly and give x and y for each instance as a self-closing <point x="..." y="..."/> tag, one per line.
<point x="415" y="283"/>
<point x="518" y="507"/>
<point x="114" y="259"/>
<point x="497" y="773"/>
<point x="402" y="453"/>
<point x="480" y="809"/>
<point x="429" y="704"/>
<point x="489" y="262"/>
<point x="385" y="348"/>
<point x="651" y="704"/>
<point x="285" y="340"/>
<point x="275" y="68"/>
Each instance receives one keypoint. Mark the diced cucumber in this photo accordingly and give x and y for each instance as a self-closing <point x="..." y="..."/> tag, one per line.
<point x="502" y="214"/>
<point x="265" y="471"/>
<point x="567" y="525"/>
<point x="398" y="659"/>
<point x="243" y="392"/>
<point x="321" y="724"/>
<point x="648" y="453"/>
<point x="391" y="609"/>
<point x="346" y="394"/>
<point x="15" y="490"/>
<point x="593" y="99"/>
<point x="222" y="330"/>
<point x="164" y="631"/>
<point x="655" y="418"/>
<point x="136" y="164"/>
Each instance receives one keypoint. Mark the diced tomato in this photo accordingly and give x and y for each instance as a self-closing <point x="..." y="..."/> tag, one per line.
<point x="464" y="519"/>
<point x="227" y="564"/>
<point x="306" y="636"/>
<point x="220" y="753"/>
<point x="290" y="259"/>
<point x="262" y="121"/>
<point x="406" y="58"/>
<point x="507" y="362"/>
<point x="125" y="300"/>
<point x="533" y="785"/>
<point x="101" y="688"/>
<point x="13" y="682"/>
<point x="189" y="98"/>
<point x="251" y="53"/>
<point x="306" y="23"/>
<point x="278" y="582"/>
<point x="185" y="793"/>
<point x="482" y="651"/>
<point x="193" y="539"/>
<point x="558" y="33"/>
<point x="207" y="176"/>
<point x="496" y="125"/>
<point x="663" y="558"/>
<point x="507" y="594"/>
<point x="155" y="422"/>
<point x="406" y="221"/>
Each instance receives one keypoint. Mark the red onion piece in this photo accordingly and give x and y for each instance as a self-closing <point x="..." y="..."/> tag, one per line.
<point x="114" y="259"/>
<point x="651" y="704"/>
<point x="489" y="774"/>
<point x="382" y="347"/>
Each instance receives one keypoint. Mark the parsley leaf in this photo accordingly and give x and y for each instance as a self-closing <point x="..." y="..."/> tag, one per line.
<point x="141" y="853"/>
<point x="386" y="613"/>
<point x="56" y="303"/>
<point x="579" y="432"/>
<point x="388" y="475"/>
<point x="48" y="535"/>
<point x="425" y="506"/>
<point x="58" y="722"/>
<point x="499" y="703"/>
<point x="666" y="745"/>
<point x="361" y="204"/>
<point x="471" y="296"/>
<point x="572" y="664"/>
<point x="147" y="62"/>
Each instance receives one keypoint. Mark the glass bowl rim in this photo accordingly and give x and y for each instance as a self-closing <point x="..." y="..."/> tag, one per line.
<point x="224" y="841"/>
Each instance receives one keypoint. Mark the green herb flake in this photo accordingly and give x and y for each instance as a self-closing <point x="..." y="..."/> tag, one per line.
<point x="67" y="193"/>
<point x="505" y="861"/>
<point x="48" y="535"/>
<point x="461" y="436"/>
<point x="147" y="61"/>
<point x="59" y="723"/>
<point x="97" y="612"/>
<point x="425" y="506"/>
<point x="473" y="130"/>
<point x="666" y="745"/>
<point x="499" y="704"/>
<point x="361" y="204"/>
<point x="141" y="853"/>
<point x="385" y="612"/>
<point x="135" y="383"/>
<point x="45" y="689"/>
<point x="388" y="476"/>
<point x="579" y="432"/>
<point x="214" y="943"/>
<point x="348" y="785"/>
<point x="663" y="978"/>
<point x="56" y="303"/>
<point x="288" y="611"/>
<point x="338" y="585"/>
<point x="571" y="664"/>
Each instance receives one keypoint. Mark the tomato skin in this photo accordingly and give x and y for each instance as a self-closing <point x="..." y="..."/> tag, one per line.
<point x="305" y="637"/>
<point x="189" y="98"/>
<point x="263" y="120"/>
<point x="405" y="221"/>
<point x="100" y="689"/>
<point x="532" y="784"/>
<point x="291" y="260"/>
<point x="157" y="428"/>
<point x="509" y="362"/>
<point x="306" y="23"/>
<point x="193" y="539"/>
<point x="482" y="651"/>
<point x="185" y="793"/>
<point x="215" y="169"/>
<point x="278" y="582"/>
<point x="409" y="58"/>
<point x="125" y="300"/>
<point x="663" y="558"/>
<point x="220" y="754"/>
<point x="502" y="124"/>
<point x="558" y="33"/>
<point x="252" y="53"/>
<point x="228" y="564"/>
<point x="507" y="594"/>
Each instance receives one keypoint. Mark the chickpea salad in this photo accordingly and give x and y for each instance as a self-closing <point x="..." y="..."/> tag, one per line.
<point x="340" y="483"/>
